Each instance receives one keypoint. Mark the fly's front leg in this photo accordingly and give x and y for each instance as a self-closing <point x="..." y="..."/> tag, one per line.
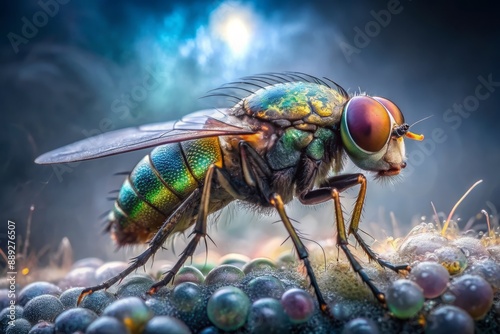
<point x="277" y="202"/>
<point x="332" y="190"/>
<point x="154" y="245"/>
<point x="341" y="183"/>
<point x="354" y="228"/>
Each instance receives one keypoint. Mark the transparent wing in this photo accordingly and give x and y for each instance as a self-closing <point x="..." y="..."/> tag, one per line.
<point x="204" y="123"/>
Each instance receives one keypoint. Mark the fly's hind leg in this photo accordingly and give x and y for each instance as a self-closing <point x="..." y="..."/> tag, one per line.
<point x="332" y="190"/>
<point x="200" y="227"/>
<point x="199" y="231"/>
<point x="154" y="245"/>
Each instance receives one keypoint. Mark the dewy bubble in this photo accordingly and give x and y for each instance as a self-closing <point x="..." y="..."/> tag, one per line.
<point x="432" y="277"/>
<point x="473" y="294"/>
<point x="404" y="298"/>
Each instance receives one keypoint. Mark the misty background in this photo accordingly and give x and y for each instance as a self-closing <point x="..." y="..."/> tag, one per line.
<point x="87" y="67"/>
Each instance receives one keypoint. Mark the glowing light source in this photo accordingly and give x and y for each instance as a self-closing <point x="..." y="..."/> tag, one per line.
<point x="236" y="34"/>
<point x="231" y="23"/>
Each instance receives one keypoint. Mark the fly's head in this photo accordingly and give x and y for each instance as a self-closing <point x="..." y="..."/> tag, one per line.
<point x="372" y="131"/>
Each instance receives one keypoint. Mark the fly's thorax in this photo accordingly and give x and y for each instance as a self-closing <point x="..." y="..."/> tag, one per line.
<point x="282" y="147"/>
<point x="261" y="141"/>
<point x="294" y="143"/>
<point x="305" y="117"/>
<point x="284" y="150"/>
<point x="303" y="104"/>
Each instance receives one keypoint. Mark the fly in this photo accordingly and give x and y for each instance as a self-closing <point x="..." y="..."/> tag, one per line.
<point x="280" y="140"/>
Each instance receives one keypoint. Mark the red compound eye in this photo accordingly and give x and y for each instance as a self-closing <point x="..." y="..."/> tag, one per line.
<point x="392" y="108"/>
<point x="368" y="123"/>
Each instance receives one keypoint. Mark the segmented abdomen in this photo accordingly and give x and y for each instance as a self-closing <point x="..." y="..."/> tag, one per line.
<point x="158" y="184"/>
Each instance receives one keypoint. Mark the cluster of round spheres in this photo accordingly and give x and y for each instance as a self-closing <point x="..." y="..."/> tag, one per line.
<point x="465" y="299"/>
<point x="228" y="298"/>
<point x="450" y="289"/>
<point x="455" y="275"/>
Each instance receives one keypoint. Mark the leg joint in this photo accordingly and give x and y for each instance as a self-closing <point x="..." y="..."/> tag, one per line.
<point x="276" y="200"/>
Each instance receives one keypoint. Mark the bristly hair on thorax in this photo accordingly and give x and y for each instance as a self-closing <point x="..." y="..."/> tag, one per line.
<point x="234" y="92"/>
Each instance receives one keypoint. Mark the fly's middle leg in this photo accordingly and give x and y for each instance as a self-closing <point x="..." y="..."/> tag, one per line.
<point x="256" y="173"/>
<point x="331" y="190"/>
<point x="277" y="202"/>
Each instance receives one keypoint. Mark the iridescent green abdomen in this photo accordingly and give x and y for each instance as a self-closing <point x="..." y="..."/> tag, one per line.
<point x="158" y="184"/>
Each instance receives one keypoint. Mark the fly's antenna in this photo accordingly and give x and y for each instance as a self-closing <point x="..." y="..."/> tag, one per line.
<point x="421" y="120"/>
<point x="404" y="130"/>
